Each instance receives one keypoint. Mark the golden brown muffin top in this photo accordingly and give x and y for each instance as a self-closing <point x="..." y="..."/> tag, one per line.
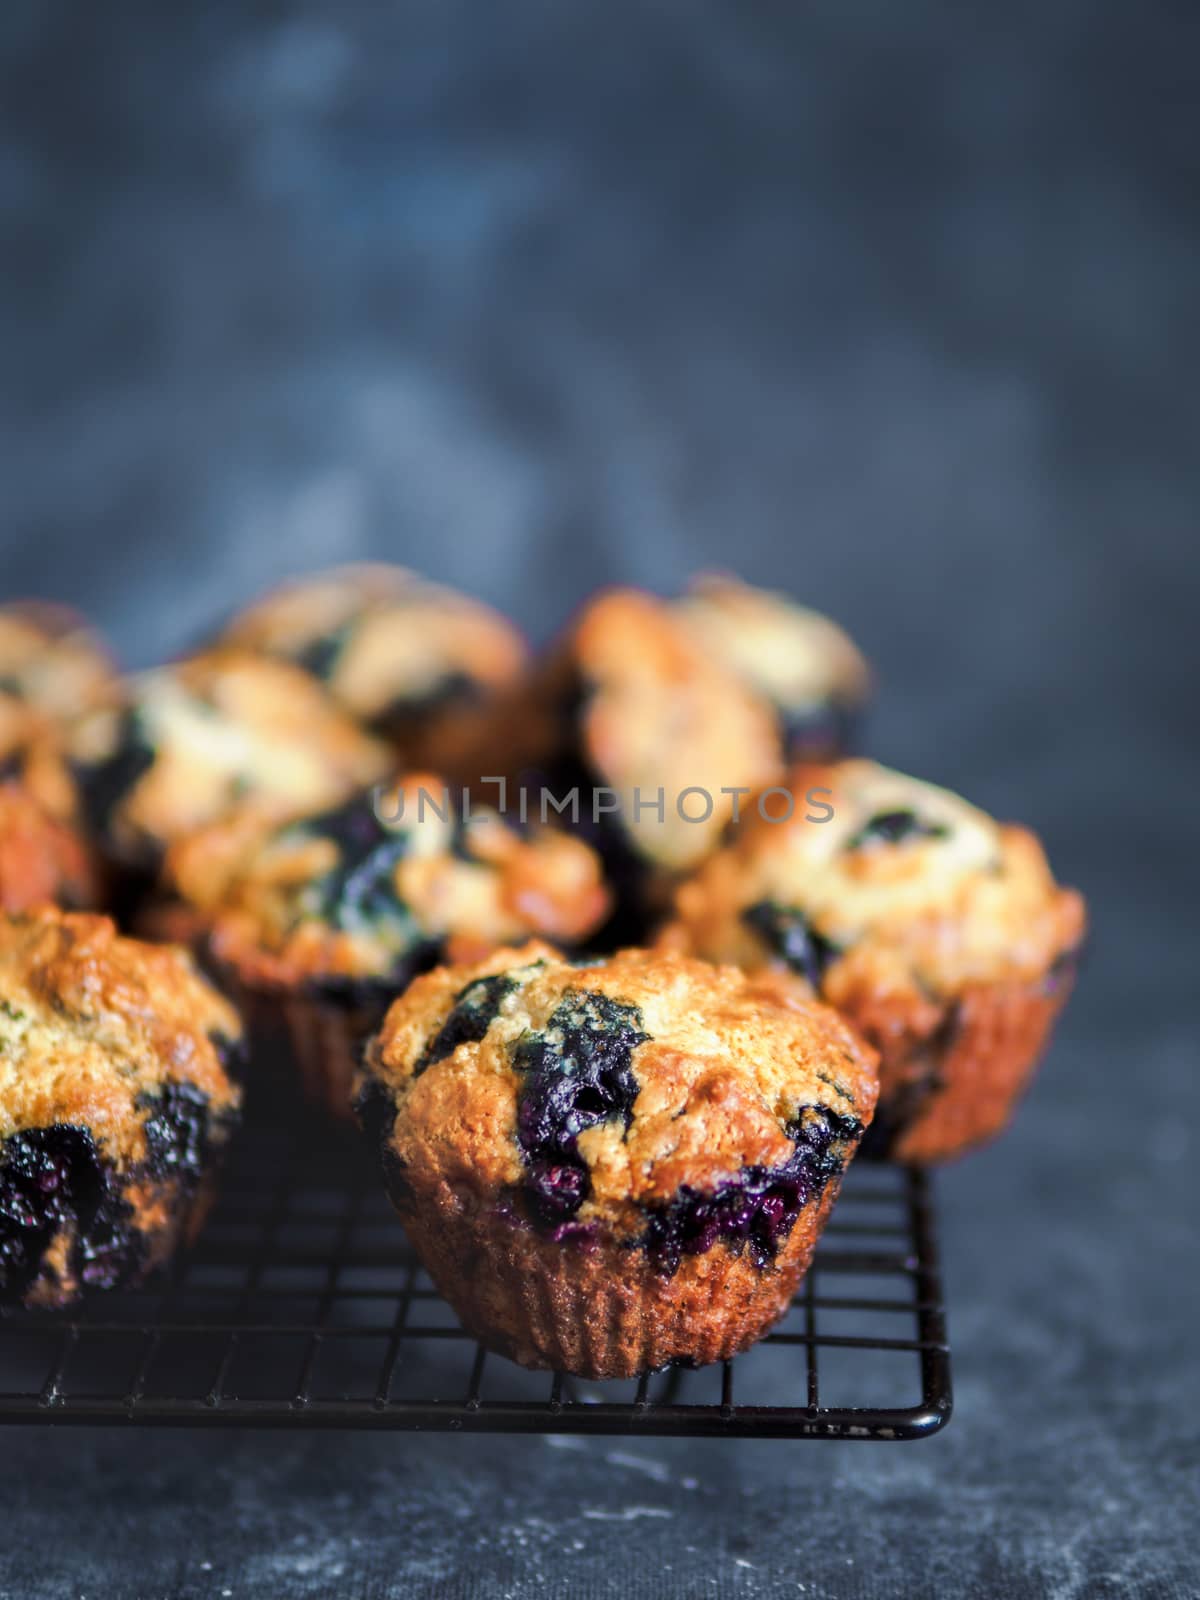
<point x="384" y="641"/>
<point x="41" y="859"/>
<point x="907" y="889"/>
<point x="51" y="661"/>
<point x="90" y="1022"/>
<point x="383" y="885"/>
<point x="219" y="732"/>
<point x="799" y="659"/>
<point x="591" y="1092"/>
<point x="657" y="712"/>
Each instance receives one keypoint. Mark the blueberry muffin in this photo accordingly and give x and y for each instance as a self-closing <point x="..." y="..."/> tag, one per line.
<point x="51" y="662"/>
<point x="609" y="1166"/>
<point x="115" y="1105"/>
<point x="632" y="713"/>
<point x="418" y="663"/>
<point x="320" y="923"/>
<point x="190" y="743"/>
<point x="939" y="933"/>
<point x="806" y="667"/>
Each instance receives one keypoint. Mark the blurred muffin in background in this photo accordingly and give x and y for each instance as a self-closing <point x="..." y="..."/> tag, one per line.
<point x="42" y="859"/>
<point x="631" y="710"/>
<point x="418" y="663"/>
<point x="32" y="755"/>
<point x="319" y="924"/>
<point x="939" y="933"/>
<point x="804" y="664"/>
<point x="53" y="668"/>
<point x="226" y="731"/>
<point x="115" y="1105"/>
<point x="51" y="662"/>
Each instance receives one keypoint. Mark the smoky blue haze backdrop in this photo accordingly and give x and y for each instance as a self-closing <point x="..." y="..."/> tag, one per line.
<point x="892" y="306"/>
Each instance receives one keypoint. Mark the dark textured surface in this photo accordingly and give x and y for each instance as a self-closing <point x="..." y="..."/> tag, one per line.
<point x="888" y="304"/>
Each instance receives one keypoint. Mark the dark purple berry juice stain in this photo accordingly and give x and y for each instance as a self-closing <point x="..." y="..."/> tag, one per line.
<point x="818" y="733"/>
<point x="475" y="1009"/>
<point x="361" y="888"/>
<point x="755" y="1210"/>
<point x="359" y="895"/>
<point x="895" y="827"/>
<point x="452" y="689"/>
<point x="787" y="933"/>
<point x="105" y="784"/>
<point x="360" y="892"/>
<point x="51" y="1179"/>
<point x="55" y="1178"/>
<point x="321" y="655"/>
<point x="577" y="1072"/>
<point x="181" y="1131"/>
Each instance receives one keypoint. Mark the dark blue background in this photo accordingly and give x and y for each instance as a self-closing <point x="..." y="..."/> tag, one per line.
<point x="891" y="305"/>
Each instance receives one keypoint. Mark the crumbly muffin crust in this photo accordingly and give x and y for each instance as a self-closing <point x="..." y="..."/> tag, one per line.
<point x="115" y="1103"/>
<point x="414" y="660"/>
<point x="642" y="1135"/>
<point x="920" y="918"/>
<point x="218" y="733"/>
<point x="802" y="663"/>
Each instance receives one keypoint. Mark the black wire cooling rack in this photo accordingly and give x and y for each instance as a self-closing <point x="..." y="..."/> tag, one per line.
<point x="301" y="1306"/>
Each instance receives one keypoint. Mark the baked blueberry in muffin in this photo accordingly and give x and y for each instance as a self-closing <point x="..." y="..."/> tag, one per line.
<point x="115" y="1105"/>
<point x="630" y="711"/>
<point x="806" y="667"/>
<point x="418" y="663"/>
<point x="607" y="1166"/>
<point x="938" y="932"/>
<point x="219" y="733"/>
<point x="322" y="922"/>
